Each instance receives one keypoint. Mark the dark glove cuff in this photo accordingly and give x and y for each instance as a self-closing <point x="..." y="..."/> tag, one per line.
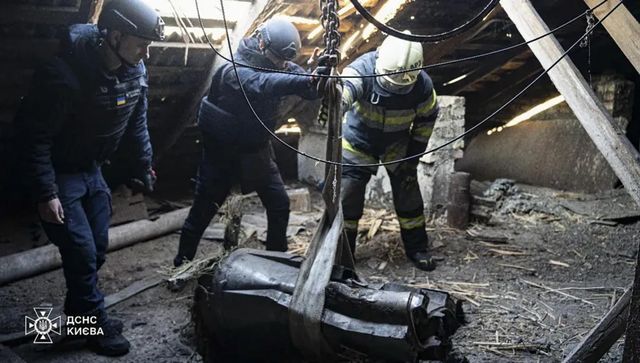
<point x="416" y="147"/>
<point x="47" y="198"/>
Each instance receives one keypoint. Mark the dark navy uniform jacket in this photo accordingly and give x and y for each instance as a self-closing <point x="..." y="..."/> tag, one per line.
<point x="77" y="114"/>
<point x="383" y="124"/>
<point x="225" y="115"/>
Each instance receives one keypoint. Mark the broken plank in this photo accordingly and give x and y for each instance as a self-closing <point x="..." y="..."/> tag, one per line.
<point x="600" y="339"/>
<point x="132" y="290"/>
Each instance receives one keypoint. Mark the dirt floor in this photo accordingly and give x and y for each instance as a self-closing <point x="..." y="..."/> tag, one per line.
<point x="537" y="273"/>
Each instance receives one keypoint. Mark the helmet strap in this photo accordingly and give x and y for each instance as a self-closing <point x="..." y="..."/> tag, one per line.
<point x="116" y="51"/>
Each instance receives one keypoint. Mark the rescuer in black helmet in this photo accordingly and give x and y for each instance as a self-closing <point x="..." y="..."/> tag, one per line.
<point x="279" y="40"/>
<point x="236" y="148"/>
<point x="82" y="106"/>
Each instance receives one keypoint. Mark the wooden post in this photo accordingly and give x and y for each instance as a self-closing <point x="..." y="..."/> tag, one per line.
<point x="623" y="28"/>
<point x="632" y="340"/>
<point x="188" y="116"/>
<point x="599" y="125"/>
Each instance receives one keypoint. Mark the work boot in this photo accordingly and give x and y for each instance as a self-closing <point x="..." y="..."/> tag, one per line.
<point x="111" y="343"/>
<point x="116" y="324"/>
<point x="422" y="260"/>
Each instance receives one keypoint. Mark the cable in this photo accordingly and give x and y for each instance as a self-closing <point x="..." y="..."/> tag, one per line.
<point x="273" y="134"/>
<point x="424" y="38"/>
<point x="435" y="65"/>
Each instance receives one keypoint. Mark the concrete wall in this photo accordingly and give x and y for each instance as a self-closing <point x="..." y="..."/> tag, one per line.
<point x="553" y="150"/>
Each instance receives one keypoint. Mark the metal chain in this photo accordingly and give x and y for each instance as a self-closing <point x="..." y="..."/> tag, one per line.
<point x="331" y="54"/>
<point x="586" y="41"/>
<point x="331" y="22"/>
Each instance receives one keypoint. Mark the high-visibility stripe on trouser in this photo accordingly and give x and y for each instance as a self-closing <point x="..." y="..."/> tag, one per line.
<point x="411" y="223"/>
<point x="408" y="204"/>
<point x="354" y="183"/>
<point x="351" y="224"/>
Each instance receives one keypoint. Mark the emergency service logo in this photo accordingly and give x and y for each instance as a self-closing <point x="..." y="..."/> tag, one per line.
<point x="42" y="325"/>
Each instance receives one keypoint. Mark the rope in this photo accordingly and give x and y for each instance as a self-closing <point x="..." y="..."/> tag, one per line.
<point x="273" y="134"/>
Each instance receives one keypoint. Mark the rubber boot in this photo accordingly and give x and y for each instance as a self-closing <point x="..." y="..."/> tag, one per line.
<point x="416" y="246"/>
<point x="277" y="222"/>
<point x="187" y="248"/>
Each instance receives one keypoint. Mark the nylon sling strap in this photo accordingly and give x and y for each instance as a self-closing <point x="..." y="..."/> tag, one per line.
<point x="328" y="242"/>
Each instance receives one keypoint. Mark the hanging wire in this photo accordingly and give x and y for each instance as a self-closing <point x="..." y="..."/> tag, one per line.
<point x="284" y="143"/>
<point x="429" y="66"/>
<point x="428" y="38"/>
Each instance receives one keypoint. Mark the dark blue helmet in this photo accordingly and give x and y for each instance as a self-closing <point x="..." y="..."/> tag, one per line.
<point x="280" y="37"/>
<point x="134" y="17"/>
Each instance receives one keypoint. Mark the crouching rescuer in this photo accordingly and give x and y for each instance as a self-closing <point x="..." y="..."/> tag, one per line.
<point x="388" y="117"/>
<point x="236" y="147"/>
<point x="81" y="107"/>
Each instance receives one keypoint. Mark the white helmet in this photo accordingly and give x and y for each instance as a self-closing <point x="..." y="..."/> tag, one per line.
<point x="395" y="54"/>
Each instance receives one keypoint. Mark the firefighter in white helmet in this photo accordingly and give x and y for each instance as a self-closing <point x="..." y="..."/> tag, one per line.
<point x="387" y="118"/>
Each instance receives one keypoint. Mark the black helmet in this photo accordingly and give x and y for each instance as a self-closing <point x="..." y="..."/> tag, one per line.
<point x="280" y="37"/>
<point x="133" y="17"/>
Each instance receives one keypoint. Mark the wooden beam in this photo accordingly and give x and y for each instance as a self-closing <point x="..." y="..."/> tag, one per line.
<point x="623" y="28"/>
<point x="188" y="116"/>
<point x="207" y="22"/>
<point x="600" y="339"/>
<point x="597" y="122"/>
<point x="436" y="51"/>
<point x="482" y="73"/>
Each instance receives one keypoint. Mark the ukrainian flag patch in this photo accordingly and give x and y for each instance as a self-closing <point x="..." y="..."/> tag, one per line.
<point x="121" y="100"/>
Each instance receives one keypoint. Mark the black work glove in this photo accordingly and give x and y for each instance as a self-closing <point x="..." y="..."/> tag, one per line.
<point x="320" y="82"/>
<point x="144" y="182"/>
<point x="415" y="148"/>
<point x="323" y="68"/>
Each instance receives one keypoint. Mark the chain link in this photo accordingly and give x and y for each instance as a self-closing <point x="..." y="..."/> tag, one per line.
<point x="590" y="24"/>
<point x="586" y="41"/>
<point x="331" y="54"/>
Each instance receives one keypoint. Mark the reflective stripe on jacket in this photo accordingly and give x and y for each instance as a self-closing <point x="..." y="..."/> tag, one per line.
<point x="378" y="120"/>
